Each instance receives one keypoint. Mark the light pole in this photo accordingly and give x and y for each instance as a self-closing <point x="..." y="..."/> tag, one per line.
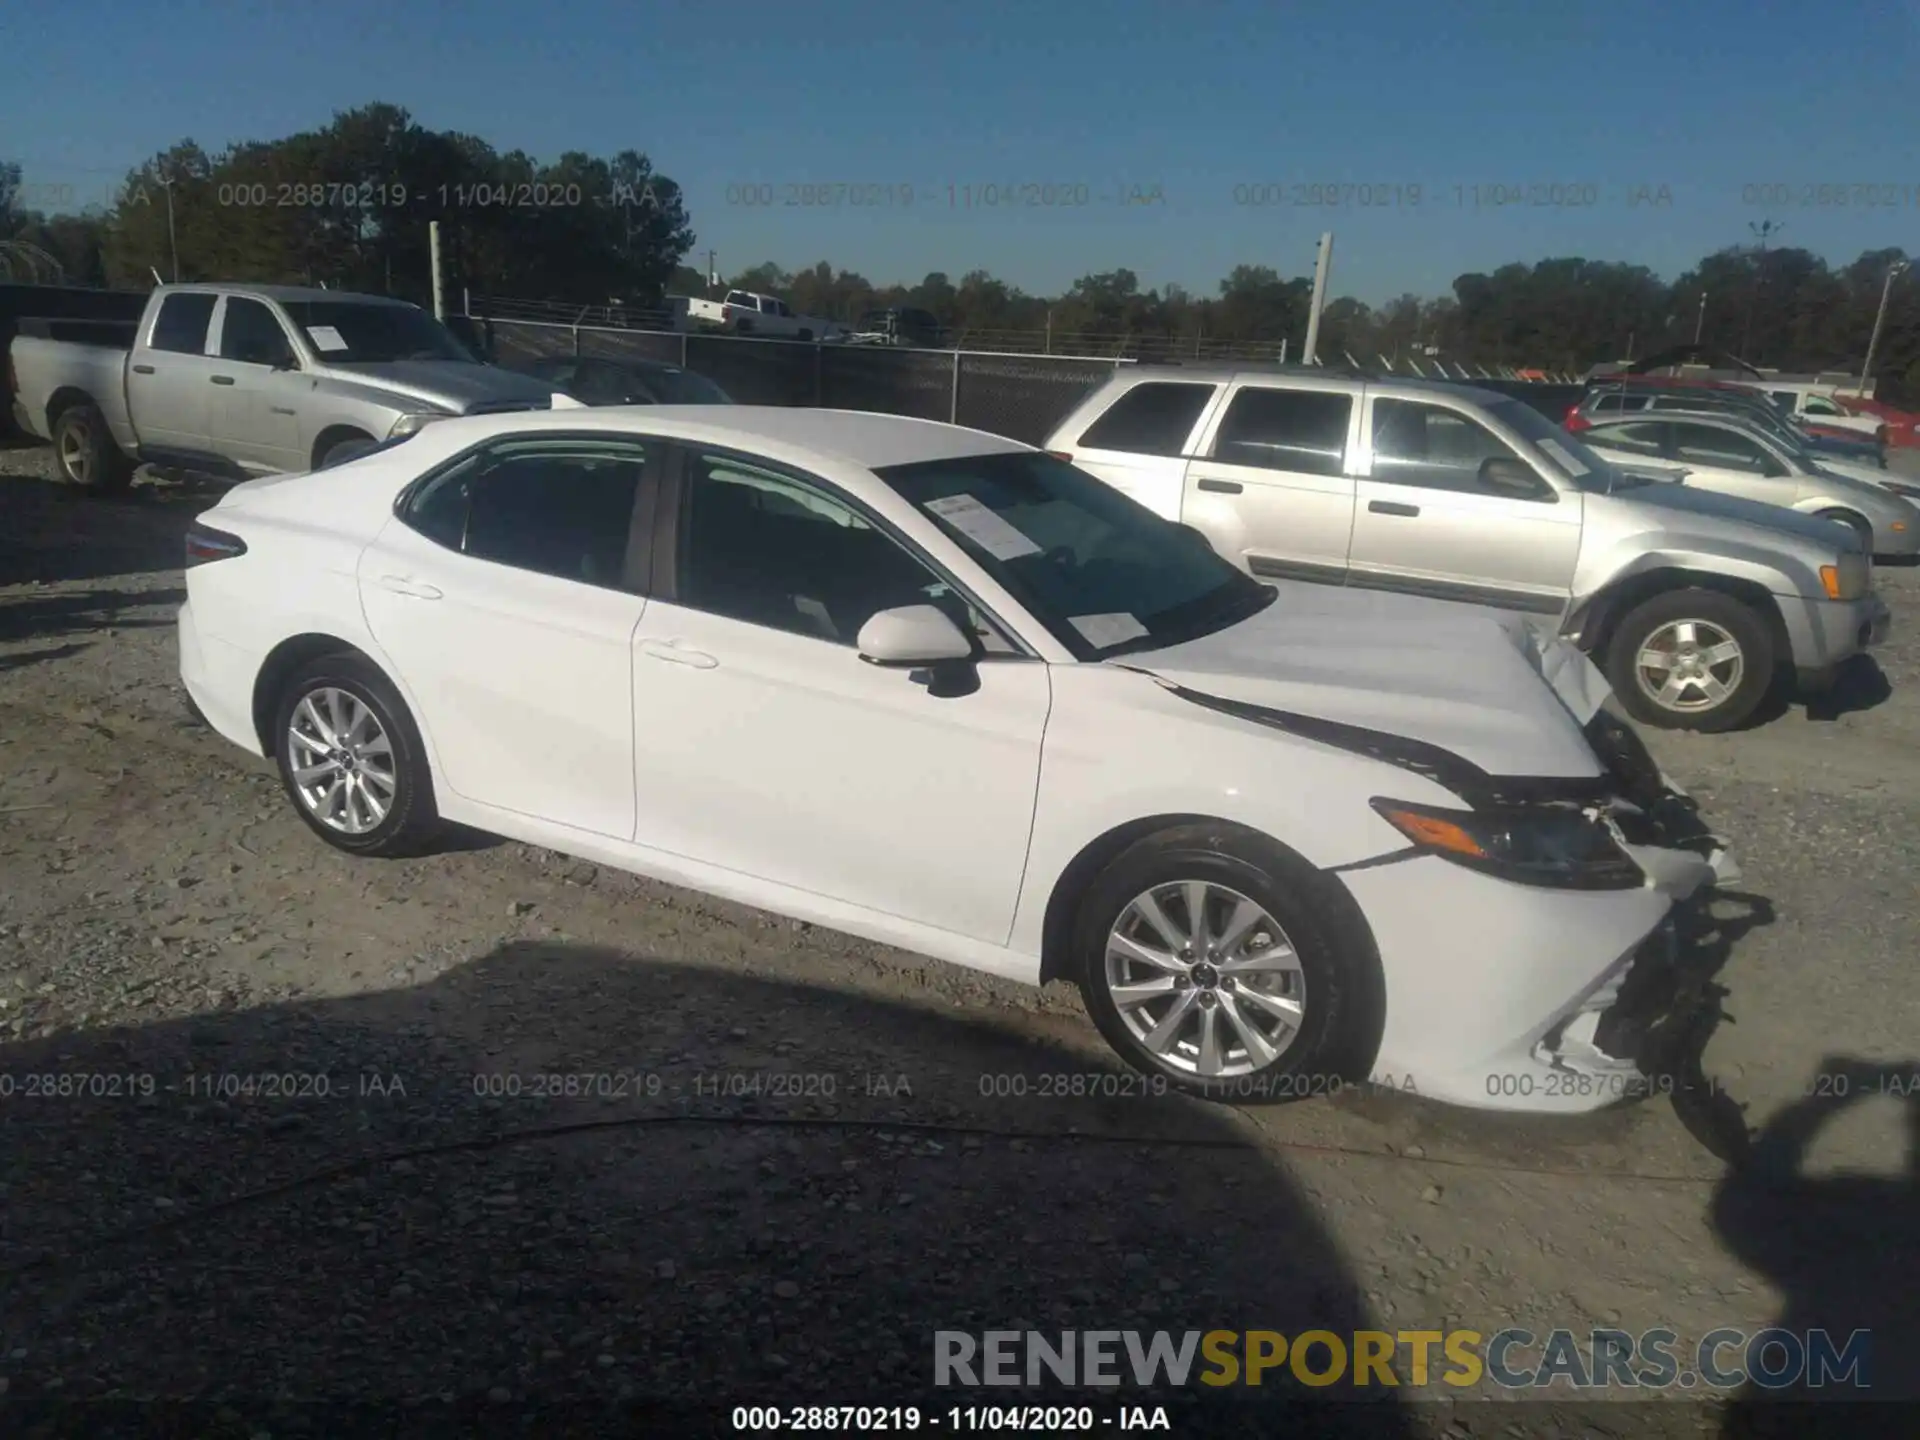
<point x="1700" y="322"/>
<point x="1765" y="230"/>
<point x="1880" y="318"/>
<point x="173" y="245"/>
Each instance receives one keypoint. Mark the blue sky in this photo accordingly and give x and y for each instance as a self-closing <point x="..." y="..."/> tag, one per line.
<point x="1220" y="104"/>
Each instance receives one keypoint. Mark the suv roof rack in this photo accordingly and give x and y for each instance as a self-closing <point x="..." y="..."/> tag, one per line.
<point x="1276" y="367"/>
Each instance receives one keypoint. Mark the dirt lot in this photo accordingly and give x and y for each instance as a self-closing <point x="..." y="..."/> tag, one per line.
<point x="362" y="1222"/>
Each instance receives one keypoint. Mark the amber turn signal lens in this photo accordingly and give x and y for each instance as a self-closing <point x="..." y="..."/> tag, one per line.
<point x="1830" y="581"/>
<point x="1431" y="830"/>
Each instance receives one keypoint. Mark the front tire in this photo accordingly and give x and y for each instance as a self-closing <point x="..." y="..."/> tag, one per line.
<point x="350" y="447"/>
<point x="85" y="450"/>
<point x="1211" y="958"/>
<point x="1692" y="659"/>
<point x="351" y="759"/>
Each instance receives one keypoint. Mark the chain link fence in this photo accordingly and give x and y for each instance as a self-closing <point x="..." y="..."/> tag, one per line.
<point x="1019" y="396"/>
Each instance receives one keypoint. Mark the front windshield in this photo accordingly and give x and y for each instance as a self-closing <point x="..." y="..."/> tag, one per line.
<point x="365" y="332"/>
<point x="683" y="387"/>
<point x="1560" y="447"/>
<point x="1104" y="574"/>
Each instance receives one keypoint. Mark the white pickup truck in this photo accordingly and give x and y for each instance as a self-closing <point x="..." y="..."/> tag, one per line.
<point x="250" y="380"/>
<point x="747" y="312"/>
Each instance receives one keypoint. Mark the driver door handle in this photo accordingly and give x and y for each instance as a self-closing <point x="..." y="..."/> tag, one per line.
<point x="674" y="652"/>
<point x="1388" y="507"/>
<point x="223" y="379"/>
<point x="400" y="585"/>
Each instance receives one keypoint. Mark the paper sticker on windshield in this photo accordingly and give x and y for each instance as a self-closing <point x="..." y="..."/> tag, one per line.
<point x="1562" y="456"/>
<point x="1100" y="631"/>
<point x="325" y="337"/>
<point x="980" y="525"/>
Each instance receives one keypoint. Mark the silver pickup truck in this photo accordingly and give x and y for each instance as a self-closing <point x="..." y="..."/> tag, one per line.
<point x="251" y="380"/>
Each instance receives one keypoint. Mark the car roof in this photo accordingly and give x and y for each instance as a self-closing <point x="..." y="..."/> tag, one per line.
<point x="286" y="294"/>
<point x="808" y="438"/>
<point x="1215" y="372"/>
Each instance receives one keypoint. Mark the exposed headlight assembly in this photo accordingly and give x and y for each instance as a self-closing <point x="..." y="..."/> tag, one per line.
<point x="1560" y="847"/>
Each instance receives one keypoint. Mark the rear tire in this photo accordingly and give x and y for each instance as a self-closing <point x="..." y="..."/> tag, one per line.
<point x="351" y="758"/>
<point x="1311" y="991"/>
<point x="1682" y="685"/>
<point x="85" y="451"/>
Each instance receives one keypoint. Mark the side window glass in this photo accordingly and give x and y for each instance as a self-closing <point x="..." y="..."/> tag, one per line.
<point x="1721" y="449"/>
<point x="1154" y="418"/>
<point x="1276" y="429"/>
<point x="1637" y="439"/>
<point x="557" y="508"/>
<point x="250" y="334"/>
<point x="181" y="326"/>
<point x="768" y="549"/>
<point x="1435" y="448"/>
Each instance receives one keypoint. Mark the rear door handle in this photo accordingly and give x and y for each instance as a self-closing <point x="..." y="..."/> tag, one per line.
<point x="143" y="369"/>
<point x="675" y="652"/>
<point x="1222" y="487"/>
<point x="1388" y="507"/>
<point x="401" y="585"/>
<point x="223" y="379"/>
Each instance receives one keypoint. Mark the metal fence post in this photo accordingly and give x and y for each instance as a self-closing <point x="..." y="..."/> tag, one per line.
<point x="683" y="349"/>
<point x="819" y="382"/>
<point x="953" y="403"/>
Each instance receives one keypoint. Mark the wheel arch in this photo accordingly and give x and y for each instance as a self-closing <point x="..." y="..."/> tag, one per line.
<point x="279" y="666"/>
<point x="1063" y="901"/>
<point x="65" y="398"/>
<point x="1597" y="619"/>
<point x="332" y="436"/>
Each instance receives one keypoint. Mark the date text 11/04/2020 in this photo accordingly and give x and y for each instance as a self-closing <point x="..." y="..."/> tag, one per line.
<point x="987" y="195"/>
<point x="1392" y="195"/>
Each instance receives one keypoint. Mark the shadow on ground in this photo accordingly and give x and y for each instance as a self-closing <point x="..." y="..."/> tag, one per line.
<point x="51" y="532"/>
<point x="757" y="1220"/>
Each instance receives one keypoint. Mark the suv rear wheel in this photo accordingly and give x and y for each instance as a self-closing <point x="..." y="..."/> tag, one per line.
<point x="1692" y="659"/>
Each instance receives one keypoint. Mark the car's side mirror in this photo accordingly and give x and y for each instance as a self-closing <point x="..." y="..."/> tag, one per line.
<point x="913" y="635"/>
<point x="1512" y="478"/>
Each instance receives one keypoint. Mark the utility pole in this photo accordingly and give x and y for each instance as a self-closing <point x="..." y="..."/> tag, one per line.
<point x="713" y="275"/>
<point x="433" y="257"/>
<point x="1320" y="265"/>
<point x="173" y="244"/>
<point x="1765" y="230"/>
<point x="1700" y="323"/>
<point x="1880" y="318"/>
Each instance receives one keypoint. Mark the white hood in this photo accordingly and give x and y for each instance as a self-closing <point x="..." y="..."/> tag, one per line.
<point x="1487" y="688"/>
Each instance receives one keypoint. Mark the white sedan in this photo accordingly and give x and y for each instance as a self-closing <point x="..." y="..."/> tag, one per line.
<point x="941" y="690"/>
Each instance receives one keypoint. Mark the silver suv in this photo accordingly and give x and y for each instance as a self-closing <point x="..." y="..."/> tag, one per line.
<point x="1691" y="601"/>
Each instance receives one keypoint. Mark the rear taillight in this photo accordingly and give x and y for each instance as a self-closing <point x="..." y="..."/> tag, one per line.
<point x="204" y="543"/>
<point x="1576" y="422"/>
<point x="1066" y="455"/>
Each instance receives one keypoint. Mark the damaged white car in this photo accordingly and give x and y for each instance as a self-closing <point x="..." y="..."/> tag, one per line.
<point x="946" y="692"/>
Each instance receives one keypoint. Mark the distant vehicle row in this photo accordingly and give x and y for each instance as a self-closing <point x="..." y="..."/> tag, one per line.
<point x="1689" y="599"/>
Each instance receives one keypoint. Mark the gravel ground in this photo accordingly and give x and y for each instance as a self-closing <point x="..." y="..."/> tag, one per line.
<point x="782" y="1170"/>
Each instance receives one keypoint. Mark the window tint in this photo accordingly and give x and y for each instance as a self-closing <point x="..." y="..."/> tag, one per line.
<point x="1723" y="449"/>
<point x="1786" y="400"/>
<point x="1820" y="405"/>
<point x="1609" y="405"/>
<point x="1150" y="419"/>
<point x="561" y="508"/>
<point x="1303" y="430"/>
<point x="1420" y="444"/>
<point x="250" y="333"/>
<point x="599" y="383"/>
<point x="182" y="323"/>
<point x="1638" y="437"/>
<point x="773" y="550"/>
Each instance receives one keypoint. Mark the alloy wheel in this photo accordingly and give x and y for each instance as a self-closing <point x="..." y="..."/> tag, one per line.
<point x="75" y="456"/>
<point x="1205" y="979"/>
<point x="1688" y="666"/>
<point x="341" y="760"/>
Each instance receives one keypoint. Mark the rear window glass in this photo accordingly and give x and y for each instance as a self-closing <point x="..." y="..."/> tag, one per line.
<point x="1153" y="418"/>
<point x="181" y="325"/>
